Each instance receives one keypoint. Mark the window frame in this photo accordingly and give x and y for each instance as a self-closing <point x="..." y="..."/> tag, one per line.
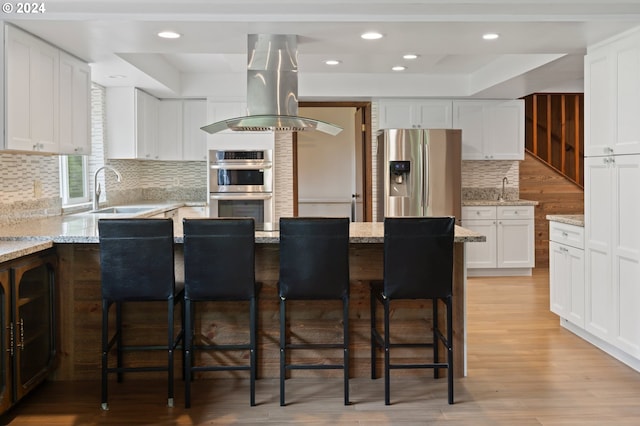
<point x="64" y="181"/>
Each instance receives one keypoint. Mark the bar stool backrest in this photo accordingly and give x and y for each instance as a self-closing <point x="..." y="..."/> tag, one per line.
<point x="136" y="259"/>
<point x="314" y="258"/>
<point x="418" y="257"/>
<point x="219" y="258"/>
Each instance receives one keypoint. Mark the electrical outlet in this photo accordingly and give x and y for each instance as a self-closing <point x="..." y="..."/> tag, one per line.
<point x="37" y="188"/>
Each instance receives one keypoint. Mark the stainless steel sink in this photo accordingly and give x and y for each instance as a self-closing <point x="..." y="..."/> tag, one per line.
<point x="121" y="210"/>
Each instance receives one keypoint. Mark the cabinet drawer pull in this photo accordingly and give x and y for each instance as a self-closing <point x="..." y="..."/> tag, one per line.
<point x="565" y="234"/>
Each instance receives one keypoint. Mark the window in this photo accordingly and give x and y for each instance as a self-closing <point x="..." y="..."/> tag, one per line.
<point x="74" y="187"/>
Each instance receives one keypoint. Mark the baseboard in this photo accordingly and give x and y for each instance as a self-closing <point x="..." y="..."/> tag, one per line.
<point x="499" y="272"/>
<point x="606" y="347"/>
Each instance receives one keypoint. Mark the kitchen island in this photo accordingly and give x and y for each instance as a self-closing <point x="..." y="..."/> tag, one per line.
<point x="75" y="238"/>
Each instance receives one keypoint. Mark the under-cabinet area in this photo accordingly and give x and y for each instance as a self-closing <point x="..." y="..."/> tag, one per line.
<point x="28" y="329"/>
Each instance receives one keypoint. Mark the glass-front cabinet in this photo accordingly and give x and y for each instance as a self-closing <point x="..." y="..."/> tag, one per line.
<point x="28" y="332"/>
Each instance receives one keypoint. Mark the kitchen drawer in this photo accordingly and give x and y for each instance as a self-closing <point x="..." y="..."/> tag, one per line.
<point x="570" y="235"/>
<point x="515" y="212"/>
<point x="478" y="212"/>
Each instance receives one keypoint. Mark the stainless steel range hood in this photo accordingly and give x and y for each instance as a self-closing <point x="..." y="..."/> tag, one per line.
<point x="272" y="89"/>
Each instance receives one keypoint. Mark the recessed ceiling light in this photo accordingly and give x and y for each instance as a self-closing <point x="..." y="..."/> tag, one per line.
<point x="168" y="34"/>
<point x="410" y="56"/>
<point x="332" y="62"/>
<point x="490" y="36"/>
<point x="399" y="68"/>
<point x="116" y="76"/>
<point x="371" y="36"/>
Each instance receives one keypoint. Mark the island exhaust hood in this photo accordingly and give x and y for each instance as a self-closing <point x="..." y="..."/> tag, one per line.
<point x="272" y="89"/>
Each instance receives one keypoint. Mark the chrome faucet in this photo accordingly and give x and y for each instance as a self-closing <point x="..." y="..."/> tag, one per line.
<point x="96" y="186"/>
<point x="504" y="180"/>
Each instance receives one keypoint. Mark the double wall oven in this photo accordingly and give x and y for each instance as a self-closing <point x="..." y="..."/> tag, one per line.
<point x="241" y="184"/>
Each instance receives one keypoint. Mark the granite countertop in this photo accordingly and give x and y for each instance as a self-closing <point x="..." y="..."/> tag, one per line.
<point x="568" y="219"/>
<point x="83" y="228"/>
<point x="518" y="202"/>
<point x="10" y="250"/>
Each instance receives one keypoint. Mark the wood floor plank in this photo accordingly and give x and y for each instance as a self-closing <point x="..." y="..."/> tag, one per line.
<point x="524" y="369"/>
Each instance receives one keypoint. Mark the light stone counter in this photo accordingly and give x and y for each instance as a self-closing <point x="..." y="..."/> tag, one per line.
<point x="10" y="250"/>
<point x="83" y="228"/>
<point x="568" y="219"/>
<point x="518" y="202"/>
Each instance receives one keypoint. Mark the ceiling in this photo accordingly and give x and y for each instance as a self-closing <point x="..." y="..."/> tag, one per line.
<point x="541" y="44"/>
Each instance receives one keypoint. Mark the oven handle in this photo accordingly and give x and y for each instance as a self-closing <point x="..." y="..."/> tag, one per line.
<point x="243" y="196"/>
<point x="241" y="166"/>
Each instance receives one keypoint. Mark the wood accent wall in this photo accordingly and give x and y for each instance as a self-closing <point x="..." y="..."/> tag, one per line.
<point x="554" y="131"/>
<point x="556" y="195"/>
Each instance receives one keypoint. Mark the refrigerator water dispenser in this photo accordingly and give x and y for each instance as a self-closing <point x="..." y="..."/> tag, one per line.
<point x="399" y="178"/>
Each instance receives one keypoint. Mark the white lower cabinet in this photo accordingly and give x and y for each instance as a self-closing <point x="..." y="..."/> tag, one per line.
<point x="509" y="248"/>
<point x="611" y="261"/>
<point x="566" y="272"/>
<point x="612" y="250"/>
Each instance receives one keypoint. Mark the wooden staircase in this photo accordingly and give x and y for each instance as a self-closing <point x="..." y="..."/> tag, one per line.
<point x="553" y="170"/>
<point x="554" y="124"/>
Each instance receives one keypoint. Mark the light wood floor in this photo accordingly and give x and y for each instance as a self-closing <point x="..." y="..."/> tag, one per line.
<point x="524" y="369"/>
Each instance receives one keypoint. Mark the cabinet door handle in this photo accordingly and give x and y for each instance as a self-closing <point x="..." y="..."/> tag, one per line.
<point x="21" y="342"/>
<point x="564" y="249"/>
<point x="11" y="339"/>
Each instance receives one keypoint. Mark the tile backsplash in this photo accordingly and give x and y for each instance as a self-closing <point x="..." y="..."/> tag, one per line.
<point x="29" y="186"/>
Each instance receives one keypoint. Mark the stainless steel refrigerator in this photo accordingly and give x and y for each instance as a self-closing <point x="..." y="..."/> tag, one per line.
<point x="419" y="173"/>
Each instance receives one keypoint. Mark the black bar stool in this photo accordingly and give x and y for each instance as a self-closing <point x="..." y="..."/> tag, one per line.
<point x="137" y="264"/>
<point x="314" y="265"/>
<point x="418" y="264"/>
<point x="219" y="265"/>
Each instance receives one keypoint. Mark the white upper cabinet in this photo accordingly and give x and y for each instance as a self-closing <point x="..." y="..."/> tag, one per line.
<point x="491" y="129"/>
<point x="75" y="106"/>
<point x="612" y="98"/>
<point x="221" y="110"/>
<point x="31" y="85"/>
<point x="415" y="114"/>
<point x="132" y="124"/>
<point x="147" y="126"/>
<point x="170" y="144"/>
<point x="48" y="97"/>
<point x="180" y="137"/>
<point x="194" y="139"/>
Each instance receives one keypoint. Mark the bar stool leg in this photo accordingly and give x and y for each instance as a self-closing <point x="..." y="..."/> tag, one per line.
<point x="345" y="323"/>
<point x="450" y="348"/>
<point x="119" y="351"/>
<point x="387" y="348"/>
<point x="105" y="352"/>
<point x="170" y="343"/>
<point x="436" y="340"/>
<point x="282" y="349"/>
<point x="253" y="361"/>
<point x="188" y="337"/>
<point x="374" y="343"/>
